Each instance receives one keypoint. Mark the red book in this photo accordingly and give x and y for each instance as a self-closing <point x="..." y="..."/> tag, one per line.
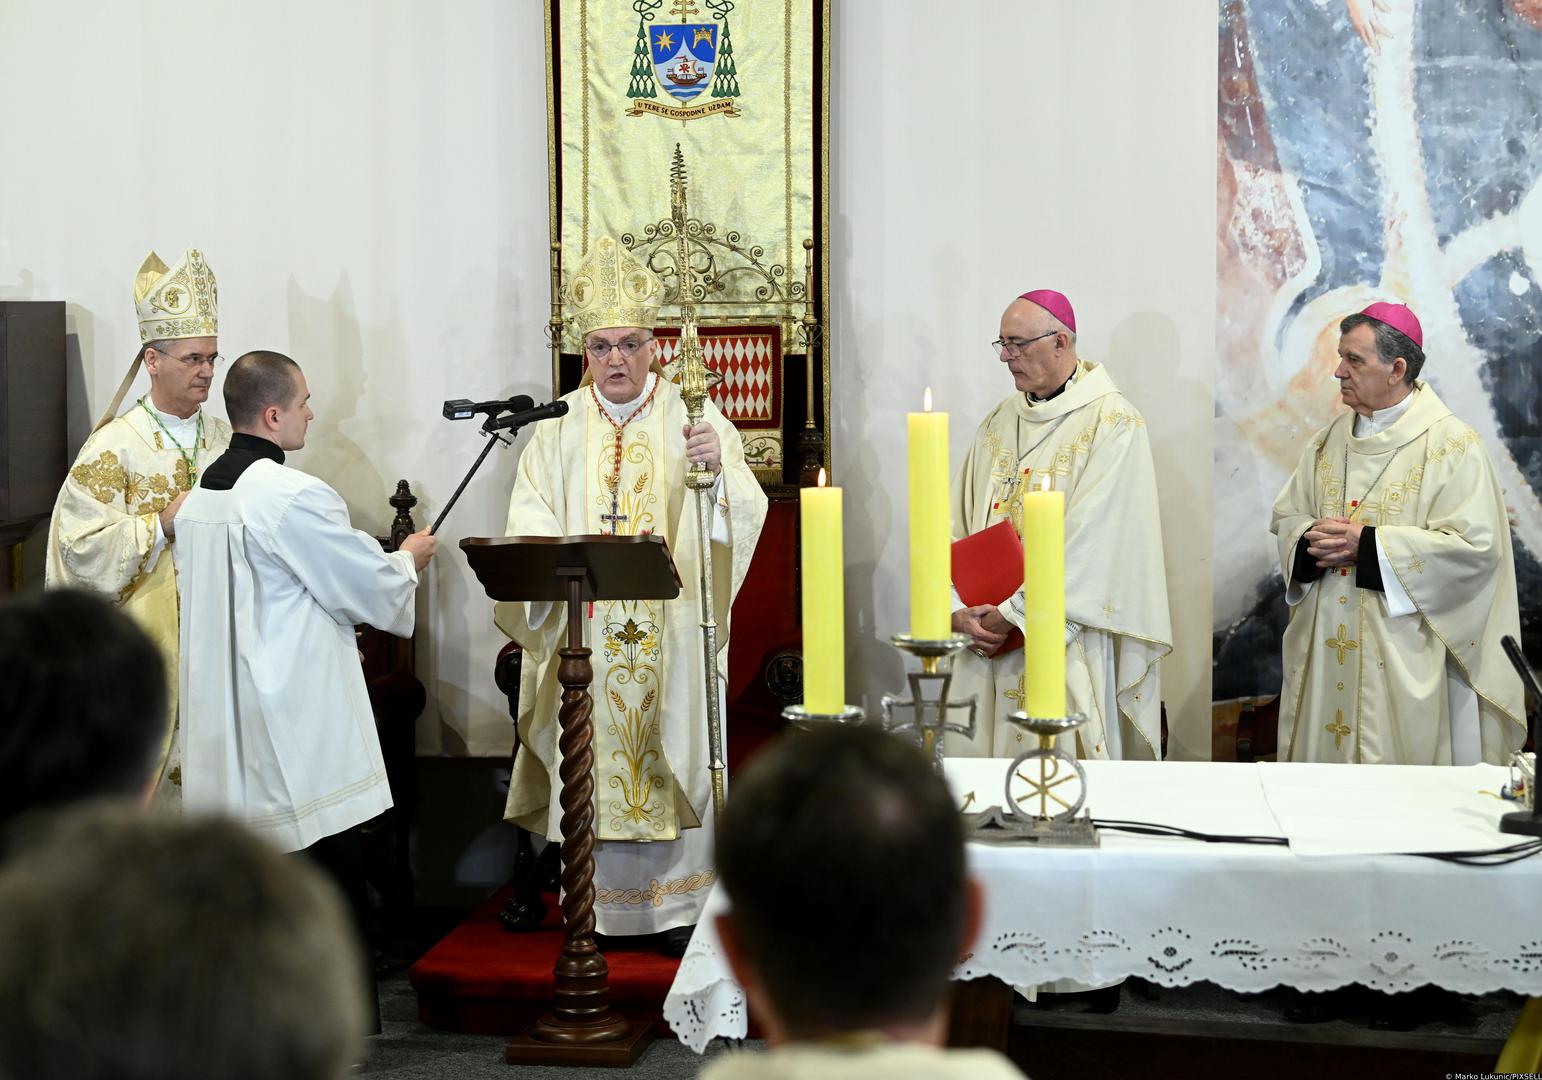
<point x="987" y="569"/>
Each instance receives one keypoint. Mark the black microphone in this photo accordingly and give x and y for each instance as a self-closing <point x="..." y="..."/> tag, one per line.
<point x="499" y="418"/>
<point x="527" y="416"/>
<point x="1527" y="824"/>
<point x="465" y="409"/>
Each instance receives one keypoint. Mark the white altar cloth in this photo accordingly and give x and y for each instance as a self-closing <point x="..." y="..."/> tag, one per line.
<point x="1332" y="909"/>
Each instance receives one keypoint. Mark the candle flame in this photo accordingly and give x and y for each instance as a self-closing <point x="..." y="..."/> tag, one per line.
<point x="1044" y="482"/>
<point x="821" y="478"/>
<point x="926" y="400"/>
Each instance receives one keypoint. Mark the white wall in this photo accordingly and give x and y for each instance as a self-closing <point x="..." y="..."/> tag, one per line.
<point x="368" y="180"/>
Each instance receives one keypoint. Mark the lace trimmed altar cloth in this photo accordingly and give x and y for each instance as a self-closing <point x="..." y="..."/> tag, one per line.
<point x="1338" y="906"/>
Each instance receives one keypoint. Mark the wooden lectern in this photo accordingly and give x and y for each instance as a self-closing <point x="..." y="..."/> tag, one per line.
<point x="580" y="1029"/>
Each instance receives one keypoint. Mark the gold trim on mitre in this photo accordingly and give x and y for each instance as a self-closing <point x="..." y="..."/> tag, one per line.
<point x="611" y="288"/>
<point x="179" y="301"/>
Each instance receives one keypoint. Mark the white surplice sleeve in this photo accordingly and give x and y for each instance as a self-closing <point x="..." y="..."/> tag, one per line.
<point x="345" y="570"/>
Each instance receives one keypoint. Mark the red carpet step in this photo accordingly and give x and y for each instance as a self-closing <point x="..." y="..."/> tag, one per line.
<point x="484" y="980"/>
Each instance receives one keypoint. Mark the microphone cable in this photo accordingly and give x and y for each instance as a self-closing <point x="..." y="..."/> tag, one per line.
<point x="1501" y="856"/>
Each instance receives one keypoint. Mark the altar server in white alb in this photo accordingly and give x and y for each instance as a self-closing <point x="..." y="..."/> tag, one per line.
<point x="117" y="513"/>
<point x="1395" y="549"/>
<point x="277" y="727"/>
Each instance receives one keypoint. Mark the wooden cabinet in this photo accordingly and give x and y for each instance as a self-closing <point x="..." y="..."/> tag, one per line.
<point x="33" y="444"/>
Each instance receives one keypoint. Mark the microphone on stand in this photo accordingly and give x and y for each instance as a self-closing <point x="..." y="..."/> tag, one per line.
<point x="527" y="415"/>
<point x="1526" y="822"/>
<point x="510" y="414"/>
<point x="464" y="409"/>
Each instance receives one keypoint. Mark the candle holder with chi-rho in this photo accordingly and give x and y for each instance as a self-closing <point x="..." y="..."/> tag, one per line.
<point x="1045" y="789"/>
<point x="929" y="702"/>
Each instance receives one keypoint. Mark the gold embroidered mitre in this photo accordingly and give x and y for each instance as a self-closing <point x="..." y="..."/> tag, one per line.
<point x="180" y="301"/>
<point x="612" y="288"/>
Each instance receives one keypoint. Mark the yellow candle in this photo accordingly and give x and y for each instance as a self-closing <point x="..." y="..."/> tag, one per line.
<point x="931" y="539"/>
<point x="1044" y="593"/>
<point x="824" y="600"/>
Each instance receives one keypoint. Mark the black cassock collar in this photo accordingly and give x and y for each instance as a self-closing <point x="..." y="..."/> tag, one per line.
<point x="245" y="450"/>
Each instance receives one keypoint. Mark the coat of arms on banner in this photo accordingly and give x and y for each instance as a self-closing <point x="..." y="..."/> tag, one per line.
<point x="691" y="62"/>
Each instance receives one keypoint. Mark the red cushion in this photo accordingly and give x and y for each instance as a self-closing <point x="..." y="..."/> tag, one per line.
<point x="480" y="978"/>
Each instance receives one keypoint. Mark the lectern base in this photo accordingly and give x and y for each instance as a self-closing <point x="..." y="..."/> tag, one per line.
<point x="619" y="1053"/>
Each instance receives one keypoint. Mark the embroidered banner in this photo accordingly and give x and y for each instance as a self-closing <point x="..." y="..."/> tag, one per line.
<point x="742" y="87"/>
<point x="737" y="83"/>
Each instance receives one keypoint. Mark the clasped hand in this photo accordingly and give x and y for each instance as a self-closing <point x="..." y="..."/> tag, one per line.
<point x="702" y="444"/>
<point x="985" y="625"/>
<point x="1333" y="542"/>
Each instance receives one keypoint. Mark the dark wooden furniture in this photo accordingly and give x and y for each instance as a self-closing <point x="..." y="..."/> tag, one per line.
<point x="581" y="1028"/>
<point x="398" y="698"/>
<point x="1258" y="730"/>
<point x="34" y="451"/>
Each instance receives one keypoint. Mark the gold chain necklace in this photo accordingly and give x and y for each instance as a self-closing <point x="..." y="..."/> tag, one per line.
<point x="187" y="459"/>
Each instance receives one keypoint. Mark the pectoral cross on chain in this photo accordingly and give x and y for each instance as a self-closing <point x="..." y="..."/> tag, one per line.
<point x="615" y="518"/>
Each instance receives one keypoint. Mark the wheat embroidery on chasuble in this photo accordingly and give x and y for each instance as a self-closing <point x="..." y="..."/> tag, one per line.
<point x="634" y="788"/>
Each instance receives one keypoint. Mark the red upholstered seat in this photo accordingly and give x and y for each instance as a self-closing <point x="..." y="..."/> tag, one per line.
<point x="485" y="980"/>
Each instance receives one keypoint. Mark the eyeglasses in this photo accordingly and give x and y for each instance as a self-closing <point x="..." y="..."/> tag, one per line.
<point x="599" y="349"/>
<point x="195" y="360"/>
<point x="1016" y="346"/>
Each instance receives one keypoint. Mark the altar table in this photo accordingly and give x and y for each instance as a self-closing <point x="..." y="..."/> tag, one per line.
<point x="1342" y="904"/>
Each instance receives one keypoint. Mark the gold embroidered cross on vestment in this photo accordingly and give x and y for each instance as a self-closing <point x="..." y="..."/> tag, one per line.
<point x="1342" y="643"/>
<point x="1338" y="729"/>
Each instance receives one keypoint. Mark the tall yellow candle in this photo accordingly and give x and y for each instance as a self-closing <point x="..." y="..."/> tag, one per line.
<point x="824" y="599"/>
<point x="1044" y="596"/>
<point x="931" y="539"/>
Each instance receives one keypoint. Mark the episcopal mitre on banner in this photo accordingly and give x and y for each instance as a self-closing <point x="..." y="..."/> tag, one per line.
<point x="180" y="301"/>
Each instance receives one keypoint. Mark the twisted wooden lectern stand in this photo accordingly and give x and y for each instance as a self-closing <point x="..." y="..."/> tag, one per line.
<point x="580" y="1029"/>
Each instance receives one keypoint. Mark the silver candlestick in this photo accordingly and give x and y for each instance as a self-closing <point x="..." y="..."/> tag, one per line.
<point x="930" y="710"/>
<point x="800" y="717"/>
<point x="1036" y="779"/>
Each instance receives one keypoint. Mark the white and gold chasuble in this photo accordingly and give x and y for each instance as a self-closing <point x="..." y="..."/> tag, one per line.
<point x="1090" y="443"/>
<point x="1361" y="683"/>
<point x="650" y="740"/>
<point x="105" y="532"/>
